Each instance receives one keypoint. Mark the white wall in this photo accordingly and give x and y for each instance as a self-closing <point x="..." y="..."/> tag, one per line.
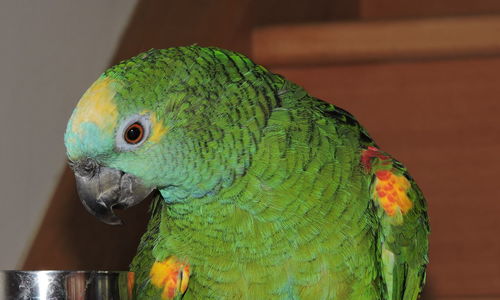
<point x="50" y="52"/>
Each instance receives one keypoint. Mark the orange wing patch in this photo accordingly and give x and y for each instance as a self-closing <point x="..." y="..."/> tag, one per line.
<point x="130" y="284"/>
<point x="391" y="192"/>
<point x="391" y="189"/>
<point x="170" y="275"/>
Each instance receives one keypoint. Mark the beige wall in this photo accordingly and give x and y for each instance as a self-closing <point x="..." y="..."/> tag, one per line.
<point x="50" y="51"/>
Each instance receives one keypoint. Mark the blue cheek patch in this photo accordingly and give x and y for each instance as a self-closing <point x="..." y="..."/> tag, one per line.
<point x="90" y="140"/>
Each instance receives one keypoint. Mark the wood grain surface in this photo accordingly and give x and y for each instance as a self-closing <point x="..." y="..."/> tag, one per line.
<point x="378" y="9"/>
<point x="369" y="41"/>
<point x="163" y="24"/>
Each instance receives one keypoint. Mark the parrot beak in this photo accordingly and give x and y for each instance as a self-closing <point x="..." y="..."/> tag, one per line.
<point x="101" y="189"/>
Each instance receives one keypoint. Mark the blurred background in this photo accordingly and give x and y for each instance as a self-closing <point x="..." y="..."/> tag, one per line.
<point x="422" y="76"/>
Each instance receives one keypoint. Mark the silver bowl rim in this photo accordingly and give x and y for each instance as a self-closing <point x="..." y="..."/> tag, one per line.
<point x="67" y="271"/>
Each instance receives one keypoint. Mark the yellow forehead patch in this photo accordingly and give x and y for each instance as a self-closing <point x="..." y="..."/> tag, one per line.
<point x="96" y="106"/>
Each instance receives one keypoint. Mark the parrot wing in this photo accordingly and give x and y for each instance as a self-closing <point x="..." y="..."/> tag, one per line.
<point x="403" y="225"/>
<point x="399" y="209"/>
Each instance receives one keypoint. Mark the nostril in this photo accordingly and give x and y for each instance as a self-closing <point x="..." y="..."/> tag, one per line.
<point x="86" y="167"/>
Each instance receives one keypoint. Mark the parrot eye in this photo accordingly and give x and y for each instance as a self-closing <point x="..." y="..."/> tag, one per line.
<point x="133" y="132"/>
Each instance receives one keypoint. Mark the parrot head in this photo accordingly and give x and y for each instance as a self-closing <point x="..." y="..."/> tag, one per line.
<point x="166" y="120"/>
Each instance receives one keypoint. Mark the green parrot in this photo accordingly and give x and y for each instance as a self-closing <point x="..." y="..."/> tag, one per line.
<point x="261" y="191"/>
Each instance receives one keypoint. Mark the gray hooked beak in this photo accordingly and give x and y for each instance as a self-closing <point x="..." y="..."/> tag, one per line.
<point x="101" y="189"/>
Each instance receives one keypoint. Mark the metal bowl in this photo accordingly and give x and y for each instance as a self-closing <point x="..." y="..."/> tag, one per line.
<point x="74" y="285"/>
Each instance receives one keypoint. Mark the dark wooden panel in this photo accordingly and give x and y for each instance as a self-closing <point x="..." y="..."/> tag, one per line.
<point x="441" y="120"/>
<point x="369" y="41"/>
<point x="272" y="12"/>
<point x="163" y="24"/>
<point x="424" y="8"/>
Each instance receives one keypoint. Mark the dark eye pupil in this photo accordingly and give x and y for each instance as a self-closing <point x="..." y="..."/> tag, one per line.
<point x="134" y="133"/>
